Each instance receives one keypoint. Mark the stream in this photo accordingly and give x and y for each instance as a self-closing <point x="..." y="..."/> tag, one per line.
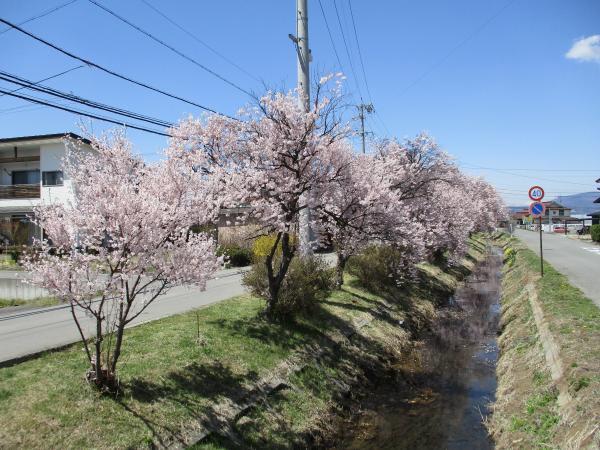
<point x="448" y="379"/>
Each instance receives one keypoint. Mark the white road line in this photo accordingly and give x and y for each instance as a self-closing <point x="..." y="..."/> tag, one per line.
<point x="595" y="250"/>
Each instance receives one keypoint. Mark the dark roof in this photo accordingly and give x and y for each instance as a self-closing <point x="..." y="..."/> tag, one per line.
<point x="597" y="213"/>
<point x="597" y="200"/>
<point x="44" y="137"/>
<point x="598" y="180"/>
<point x="554" y="205"/>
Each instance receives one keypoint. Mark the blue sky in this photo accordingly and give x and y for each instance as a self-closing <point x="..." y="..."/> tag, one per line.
<point x="488" y="79"/>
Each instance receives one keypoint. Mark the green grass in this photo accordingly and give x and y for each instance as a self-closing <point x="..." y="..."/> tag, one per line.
<point x="170" y="378"/>
<point x="34" y="302"/>
<point x="539" y="419"/>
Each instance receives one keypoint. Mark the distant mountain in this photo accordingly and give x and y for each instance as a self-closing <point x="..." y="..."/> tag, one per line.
<point x="580" y="203"/>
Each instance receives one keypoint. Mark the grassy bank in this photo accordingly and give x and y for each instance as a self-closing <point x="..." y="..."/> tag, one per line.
<point x="34" y="302"/>
<point x="528" y="413"/>
<point x="180" y="371"/>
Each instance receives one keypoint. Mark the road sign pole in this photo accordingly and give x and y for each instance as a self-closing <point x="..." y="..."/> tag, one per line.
<point x="537" y="209"/>
<point x="541" y="248"/>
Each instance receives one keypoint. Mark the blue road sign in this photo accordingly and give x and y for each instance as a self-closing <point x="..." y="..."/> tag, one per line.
<point x="537" y="209"/>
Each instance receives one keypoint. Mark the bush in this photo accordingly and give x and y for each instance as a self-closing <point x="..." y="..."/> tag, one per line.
<point x="236" y="256"/>
<point x="307" y="281"/>
<point x="595" y="232"/>
<point x="510" y="255"/>
<point x="16" y="252"/>
<point x="379" y="267"/>
<point x="263" y="245"/>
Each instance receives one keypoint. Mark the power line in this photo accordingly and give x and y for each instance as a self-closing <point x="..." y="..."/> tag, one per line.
<point x="530" y="176"/>
<point x="82" y="113"/>
<point x="359" y="52"/>
<point x="535" y="169"/>
<point x="337" y="56"/>
<point x="443" y="59"/>
<point x="111" y="72"/>
<point x="197" y="39"/>
<point x="21" y="108"/>
<point x="26" y="84"/>
<point x="51" y="77"/>
<point x="173" y="49"/>
<point x="337" y="13"/>
<point x="362" y="64"/>
<point x="43" y="14"/>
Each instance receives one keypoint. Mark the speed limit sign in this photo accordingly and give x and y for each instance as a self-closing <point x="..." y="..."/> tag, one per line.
<point x="536" y="193"/>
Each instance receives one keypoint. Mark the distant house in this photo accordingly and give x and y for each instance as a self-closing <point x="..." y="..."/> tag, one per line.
<point x="31" y="174"/>
<point x="598" y="199"/>
<point x="520" y="217"/>
<point x="555" y="212"/>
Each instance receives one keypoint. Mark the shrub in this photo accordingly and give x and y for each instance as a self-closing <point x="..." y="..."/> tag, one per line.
<point x="236" y="256"/>
<point x="16" y="252"/>
<point x="262" y="245"/>
<point x="308" y="281"/>
<point x="509" y="256"/>
<point x="379" y="267"/>
<point x="595" y="232"/>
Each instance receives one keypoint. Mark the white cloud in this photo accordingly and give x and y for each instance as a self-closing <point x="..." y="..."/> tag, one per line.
<point x="586" y="49"/>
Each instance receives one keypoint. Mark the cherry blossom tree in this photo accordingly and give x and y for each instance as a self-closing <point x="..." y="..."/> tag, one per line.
<point x="122" y="242"/>
<point x="441" y="204"/>
<point x="276" y="160"/>
<point x="353" y="207"/>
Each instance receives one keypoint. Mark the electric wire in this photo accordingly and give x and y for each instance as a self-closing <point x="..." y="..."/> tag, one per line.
<point x="200" y="41"/>
<point x="173" y="49"/>
<point x="360" y="58"/>
<point x="111" y="72"/>
<point x="21" y="108"/>
<point x="82" y="113"/>
<point x="51" y="77"/>
<point x="337" y="56"/>
<point x="362" y="64"/>
<point x="530" y="176"/>
<point x="26" y="84"/>
<point x="337" y="13"/>
<point x="443" y="59"/>
<point x="529" y="169"/>
<point x="332" y="41"/>
<point x="43" y="14"/>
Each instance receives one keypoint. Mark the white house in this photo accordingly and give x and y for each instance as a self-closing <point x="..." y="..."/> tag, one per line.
<point x="31" y="173"/>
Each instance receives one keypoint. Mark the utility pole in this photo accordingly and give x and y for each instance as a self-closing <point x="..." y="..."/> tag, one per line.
<point x="303" y="53"/>
<point x="362" y="108"/>
<point x="304" y="57"/>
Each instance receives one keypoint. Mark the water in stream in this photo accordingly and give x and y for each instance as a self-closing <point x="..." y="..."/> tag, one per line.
<point x="449" y="378"/>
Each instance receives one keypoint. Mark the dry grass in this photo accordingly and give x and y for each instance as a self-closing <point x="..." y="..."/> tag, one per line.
<point x="527" y="414"/>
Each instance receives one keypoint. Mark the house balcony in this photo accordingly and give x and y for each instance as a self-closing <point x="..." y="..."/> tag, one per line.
<point x="20" y="191"/>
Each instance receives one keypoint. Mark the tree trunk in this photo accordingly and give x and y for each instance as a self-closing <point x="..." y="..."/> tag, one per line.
<point x="119" y="341"/>
<point x="339" y="268"/>
<point x="97" y="365"/>
<point x="275" y="280"/>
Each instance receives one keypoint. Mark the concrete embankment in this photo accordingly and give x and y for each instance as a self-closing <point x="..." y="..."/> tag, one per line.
<point x="548" y="373"/>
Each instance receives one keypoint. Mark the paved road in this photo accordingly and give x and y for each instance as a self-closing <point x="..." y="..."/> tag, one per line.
<point x="24" y="332"/>
<point x="30" y="331"/>
<point x="578" y="260"/>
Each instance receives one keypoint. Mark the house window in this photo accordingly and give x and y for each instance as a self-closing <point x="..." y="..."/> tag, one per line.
<point x="25" y="177"/>
<point x="54" y="178"/>
<point x="561" y="212"/>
